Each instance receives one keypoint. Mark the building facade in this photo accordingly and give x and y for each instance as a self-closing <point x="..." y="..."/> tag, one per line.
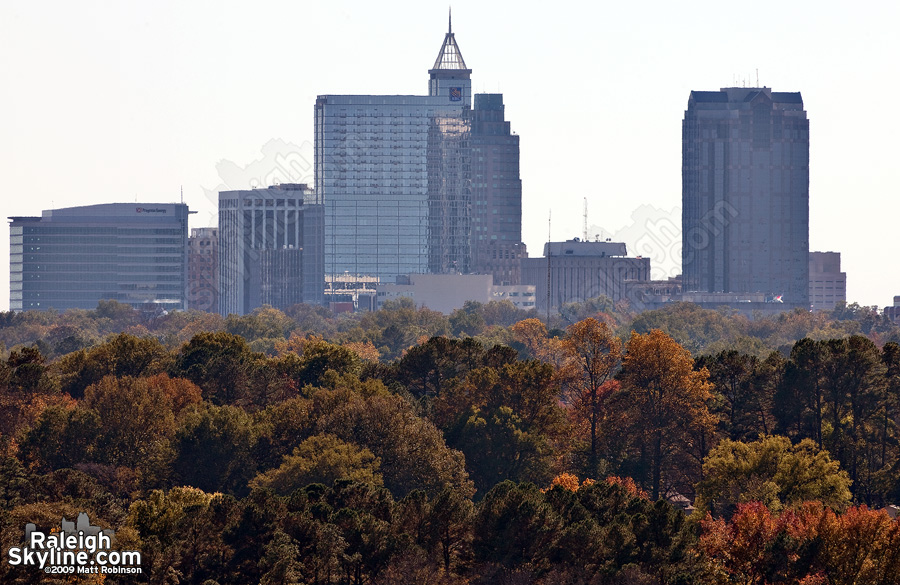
<point x="72" y="258"/>
<point x="576" y="271"/>
<point x="827" y="284"/>
<point x="203" y="270"/>
<point x="270" y="248"/>
<point x="745" y="194"/>
<point x="448" y="292"/>
<point x="395" y="174"/>
<point x="497" y="246"/>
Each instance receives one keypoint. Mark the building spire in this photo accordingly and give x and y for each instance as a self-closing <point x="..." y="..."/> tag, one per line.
<point x="450" y="56"/>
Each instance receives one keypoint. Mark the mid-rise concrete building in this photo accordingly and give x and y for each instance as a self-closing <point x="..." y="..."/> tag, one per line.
<point x="203" y="270"/>
<point x="893" y="312"/>
<point x="578" y="271"/>
<point x="745" y="194"/>
<point x="827" y="284"/>
<point x="270" y="248"/>
<point x="72" y="258"/>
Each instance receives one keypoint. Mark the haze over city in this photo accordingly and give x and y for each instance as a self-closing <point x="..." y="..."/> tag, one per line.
<point x="109" y="103"/>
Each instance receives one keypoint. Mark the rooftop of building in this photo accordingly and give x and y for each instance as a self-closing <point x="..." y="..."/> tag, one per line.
<point x="107" y="211"/>
<point x="734" y="96"/>
<point x="577" y="247"/>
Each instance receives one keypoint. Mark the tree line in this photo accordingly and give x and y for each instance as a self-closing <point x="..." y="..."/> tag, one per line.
<point x="562" y="455"/>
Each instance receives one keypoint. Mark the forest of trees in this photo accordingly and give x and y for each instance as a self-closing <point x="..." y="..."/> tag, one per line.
<point x="487" y="446"/>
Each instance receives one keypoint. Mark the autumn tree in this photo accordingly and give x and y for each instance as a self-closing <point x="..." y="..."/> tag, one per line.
<point x="596" y="354"/>
<point x="664" y="401"/>
<point x="220" y="363"/>
<point x="137" y="424"/>
<point x="808" y="545"/>
<point x="120" y="355"/>
<point x="321" y="459"/>
<point x="213" y="449"/>
<point x="412" y="450"/>
<point x="506" y="420"/>
<point x="772" y="471"/>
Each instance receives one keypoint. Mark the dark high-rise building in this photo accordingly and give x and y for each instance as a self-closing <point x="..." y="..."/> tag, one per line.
<point x="497" y="246"/>
<point x="203" y="270"/>
<point x="270" y="248"/>
<point x="745" y="194"/>
<point x="72" y="258"/>
<point x="395" y="174"/>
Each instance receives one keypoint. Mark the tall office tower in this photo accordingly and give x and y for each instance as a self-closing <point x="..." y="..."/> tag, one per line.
<point x="745" y="190"/>
<point x="72" y="258"/>
<point x="203" y="270"/>
<point x="395" y="176"/>
<point x="270" y="248"/>
<point x="497" y="246"/>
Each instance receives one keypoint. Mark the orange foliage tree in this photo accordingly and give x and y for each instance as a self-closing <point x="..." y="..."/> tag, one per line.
<point x="811" y="544"/>
<point x="595" y="354"/>
<point x="664" y="404"/>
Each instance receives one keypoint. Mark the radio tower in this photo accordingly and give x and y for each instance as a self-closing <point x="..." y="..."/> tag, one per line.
<point x="584" y="236"/>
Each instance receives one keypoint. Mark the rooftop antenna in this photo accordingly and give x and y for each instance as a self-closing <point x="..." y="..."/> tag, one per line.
<point x="549" y="253"/>
<point x="450" y="20"/>
<point x="182" y="194"/>
<point x="584" y="234"/>
<point x="757" y="77"/>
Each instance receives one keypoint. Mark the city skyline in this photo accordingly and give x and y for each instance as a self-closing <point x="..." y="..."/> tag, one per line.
<point x="153" y="99"/>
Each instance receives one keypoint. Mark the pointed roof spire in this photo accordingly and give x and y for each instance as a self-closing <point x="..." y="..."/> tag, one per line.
<point x="450" y="56"/>
<point x="450" y="20"/>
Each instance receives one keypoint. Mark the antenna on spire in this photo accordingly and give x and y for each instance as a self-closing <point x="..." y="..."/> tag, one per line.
<point x="549" y="253"/>
<point x="182" y="193"/>
<point x="450" y="21"/>
<point x="584" y="233"/>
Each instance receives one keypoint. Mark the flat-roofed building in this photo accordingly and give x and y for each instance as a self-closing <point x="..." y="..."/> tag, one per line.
<point x="579" y="270"/>
<point x="203" y="270"/>
<point x="745" y="194"/>
<point x="74" y="257"/>
<point x="270" y="248"/>
<point x="827" y="284"/>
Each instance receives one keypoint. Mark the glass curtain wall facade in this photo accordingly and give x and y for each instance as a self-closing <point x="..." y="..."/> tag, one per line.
<point x="380" y="168"/>
<point x="745" y="194"/>
<point x="73" y="258"/>
<point x="270" y="248"/>
<point x="393" y="173"/>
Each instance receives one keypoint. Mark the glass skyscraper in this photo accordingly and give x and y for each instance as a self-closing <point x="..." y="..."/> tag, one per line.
<point x="745" y="191"/>
<point x="73" y="258"/>
<point x="395" y="174"/>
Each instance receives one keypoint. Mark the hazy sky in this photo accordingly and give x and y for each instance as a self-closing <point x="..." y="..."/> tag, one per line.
<point x="124" y="101"/>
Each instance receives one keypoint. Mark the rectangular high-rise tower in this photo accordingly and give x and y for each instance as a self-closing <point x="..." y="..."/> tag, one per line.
<point x="745" y="194"/>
